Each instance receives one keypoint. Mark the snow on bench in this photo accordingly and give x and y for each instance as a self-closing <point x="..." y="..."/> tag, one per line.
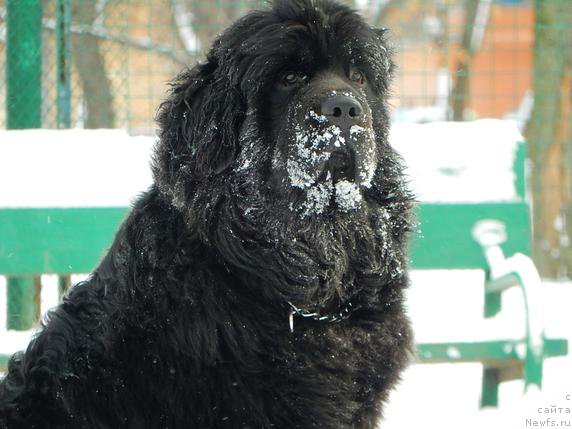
<point x="464" y="162"/>
<point x="447" y="162"/>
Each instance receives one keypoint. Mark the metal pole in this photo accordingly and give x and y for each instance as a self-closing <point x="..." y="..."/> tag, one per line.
<point x="63" y="61"/>
<point x="23" y="302"/>
<point x="24" y="110"/>
<point x="24" y="64"/>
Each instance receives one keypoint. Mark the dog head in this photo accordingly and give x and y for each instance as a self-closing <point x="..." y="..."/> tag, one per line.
<point x="275" y="149"/>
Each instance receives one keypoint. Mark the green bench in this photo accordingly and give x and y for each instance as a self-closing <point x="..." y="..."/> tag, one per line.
<point x="467" y="235"/>
<point x="477" y="234"/>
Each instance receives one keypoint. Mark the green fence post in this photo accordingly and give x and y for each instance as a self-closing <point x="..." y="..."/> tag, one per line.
<point x="63" y="66"/>
<point x="23" y="110"/>
<point x="493" y="300"/>
<point x="64" y="284"/>
<point x="490" y="387"/>
<point x="63" y="62"/>
<point x="22" y="302"/>
<point x="24" y="64"/>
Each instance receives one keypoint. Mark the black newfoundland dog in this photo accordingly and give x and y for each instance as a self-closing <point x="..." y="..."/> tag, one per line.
<point x="259" y="282"/>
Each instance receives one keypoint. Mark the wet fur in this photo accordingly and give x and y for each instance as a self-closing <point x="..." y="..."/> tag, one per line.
<point x="184" y="324"/>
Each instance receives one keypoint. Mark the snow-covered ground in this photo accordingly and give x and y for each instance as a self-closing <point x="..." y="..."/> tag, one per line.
<point x="448" y="306"/>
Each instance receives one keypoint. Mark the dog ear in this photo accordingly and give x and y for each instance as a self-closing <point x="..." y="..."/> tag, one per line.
<point x="199" y="125"/>
<point x="385" y="55"/>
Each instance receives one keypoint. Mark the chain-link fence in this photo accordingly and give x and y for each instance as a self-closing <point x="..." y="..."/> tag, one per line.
<point x="123" y="53"/>
<point x="457" y="59"/>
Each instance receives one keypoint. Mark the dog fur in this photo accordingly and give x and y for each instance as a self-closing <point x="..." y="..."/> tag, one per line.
<point x="200" y="314"/>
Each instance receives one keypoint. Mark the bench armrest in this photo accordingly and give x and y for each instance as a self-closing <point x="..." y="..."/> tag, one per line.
<point x="515" y="271"/>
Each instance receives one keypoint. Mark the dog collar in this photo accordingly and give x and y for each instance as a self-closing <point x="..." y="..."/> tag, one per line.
<point x="343" y="314"/>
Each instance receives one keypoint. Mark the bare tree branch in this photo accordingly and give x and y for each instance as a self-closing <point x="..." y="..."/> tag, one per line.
<point x="2" y="25"/>
<point x="143" y="44"/>
<point x="100" y="32"/>
<point x="183" y="19"/>
<point x="100" y="6"/>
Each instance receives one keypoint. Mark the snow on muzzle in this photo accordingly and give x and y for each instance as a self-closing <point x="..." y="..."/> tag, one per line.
<point x="330" y="163"/>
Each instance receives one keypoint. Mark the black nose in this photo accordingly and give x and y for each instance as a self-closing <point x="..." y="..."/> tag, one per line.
<point x="341" y="108"/>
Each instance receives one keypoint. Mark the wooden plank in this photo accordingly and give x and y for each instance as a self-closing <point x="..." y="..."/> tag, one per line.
<point x="445" y="241"/>
<point x="55" y="240"/>
<point x="484" y="351"/>
<point x="64" y="240"/>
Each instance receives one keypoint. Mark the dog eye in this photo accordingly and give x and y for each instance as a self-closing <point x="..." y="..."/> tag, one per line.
<point x="357" y="76"/>
<point x="292" y="78"/>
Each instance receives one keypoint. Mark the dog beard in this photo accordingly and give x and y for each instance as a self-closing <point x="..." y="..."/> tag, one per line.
<point x="316" y="262"/>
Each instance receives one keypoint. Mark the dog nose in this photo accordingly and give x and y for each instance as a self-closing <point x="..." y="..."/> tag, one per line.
<point x="341" y="108"/>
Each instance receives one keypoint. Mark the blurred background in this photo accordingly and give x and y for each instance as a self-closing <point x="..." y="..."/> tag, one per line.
<point x="458" y="60"/>
<point x="91" y="64"/>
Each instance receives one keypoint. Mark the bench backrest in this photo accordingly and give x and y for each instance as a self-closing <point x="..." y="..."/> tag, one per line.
<point x="36" y="237"/>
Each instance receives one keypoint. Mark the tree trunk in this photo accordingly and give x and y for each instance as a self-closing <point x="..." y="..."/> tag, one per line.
<point x="91" y="69"/>
<point x="566" y="236"/>
<point x="549" y="136"/>
<point x="460" y="93"/>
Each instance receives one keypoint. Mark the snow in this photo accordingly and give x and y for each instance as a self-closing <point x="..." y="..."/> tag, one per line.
<point x="312" y="148"/>
<point x="460" y="161"/>
<point x="317" y="198"/>
<point x="321" y="119"/>
<point x="447" y="395"/>
<point x="366" y="169"/>
<point x="73" y="168"/>
<point x="447" y="162"/>
<point x="348" y="195"/>
<point x="304" y="166"/>
<point x="303" y="169"/>
<point x="356" y="130"/>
